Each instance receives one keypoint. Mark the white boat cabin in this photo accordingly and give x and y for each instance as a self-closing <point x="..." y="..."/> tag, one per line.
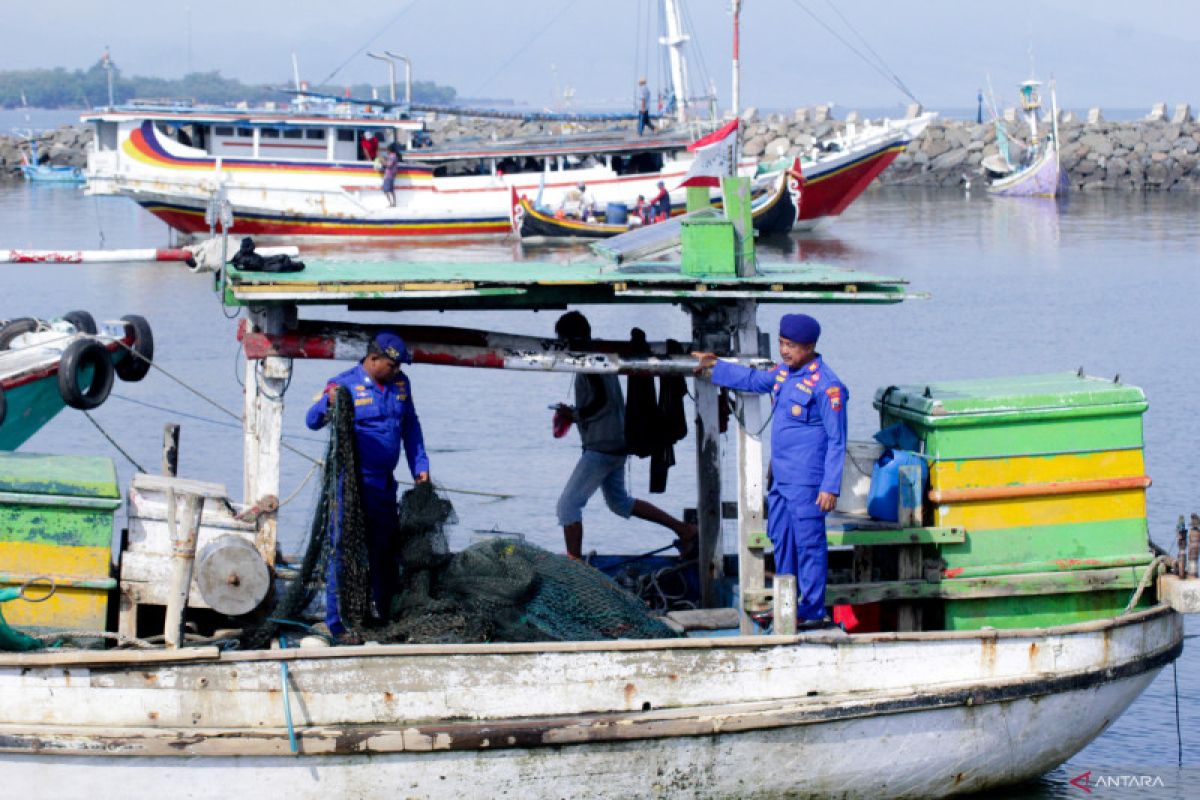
<point x="327" y="133"/>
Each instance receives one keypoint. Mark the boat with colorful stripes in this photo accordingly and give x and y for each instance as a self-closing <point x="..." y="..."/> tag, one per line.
<point x="292" y="174"/>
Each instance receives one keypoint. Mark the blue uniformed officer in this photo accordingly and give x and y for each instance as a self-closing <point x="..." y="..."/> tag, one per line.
<point x="385" y="420"/>
<point x="808" y="449"/>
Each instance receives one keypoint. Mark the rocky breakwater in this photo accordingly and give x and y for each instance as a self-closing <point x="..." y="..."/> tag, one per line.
<point x="1144" y="155"/>
<point x="67" y="146"/>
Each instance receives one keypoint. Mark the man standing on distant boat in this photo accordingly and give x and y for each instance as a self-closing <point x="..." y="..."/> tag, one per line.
<point x="600" y="412"/>
<point x="644" y="107"/>
<point x="661" y="204"/>
<point x="385" y="420"/>
<point x="391" y="165"/>
<point x="808" y="449"/>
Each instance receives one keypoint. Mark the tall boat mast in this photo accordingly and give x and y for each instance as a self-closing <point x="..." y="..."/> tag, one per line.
<point x="674" y="42"/>
<point x="737" y="78"/>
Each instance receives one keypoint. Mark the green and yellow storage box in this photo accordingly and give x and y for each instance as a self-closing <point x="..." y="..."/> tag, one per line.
<point x="56" y="519"/>
<point x="1046" y="475"/>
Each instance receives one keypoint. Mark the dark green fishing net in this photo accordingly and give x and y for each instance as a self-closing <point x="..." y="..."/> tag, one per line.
<point x="495" y="591"/>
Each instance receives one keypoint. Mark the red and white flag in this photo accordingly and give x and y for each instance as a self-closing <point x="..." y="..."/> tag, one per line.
<point x="714" y="157"/>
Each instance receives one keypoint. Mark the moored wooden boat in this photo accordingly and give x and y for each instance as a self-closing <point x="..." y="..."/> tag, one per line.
<point x="1040" y="173"/>
<point x="33" y="388"/>
<point x="922" y="714"/>
<point x="987" y="671"/>
<point x="773" y="211"/>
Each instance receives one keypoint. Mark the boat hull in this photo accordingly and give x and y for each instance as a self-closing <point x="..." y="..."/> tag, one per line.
<point x="926" y="714"/>
<point x="1042" y="178"/>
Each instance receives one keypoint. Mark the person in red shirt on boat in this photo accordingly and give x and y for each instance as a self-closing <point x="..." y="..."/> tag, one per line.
<point x="662" y="203"/>
<point x="370" y="146"/>
<point x="643" y="212"/>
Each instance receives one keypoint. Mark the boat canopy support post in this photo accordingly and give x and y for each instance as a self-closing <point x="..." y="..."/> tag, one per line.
<point x="266" y="381"/>
<point x="751" y="527"/>
<point x="710" y="331"/>
<point x="184" y="533"/>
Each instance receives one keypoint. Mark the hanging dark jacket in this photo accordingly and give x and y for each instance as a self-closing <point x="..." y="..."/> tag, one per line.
<point x="672" y="423"/>
<point x="642" y="422"/>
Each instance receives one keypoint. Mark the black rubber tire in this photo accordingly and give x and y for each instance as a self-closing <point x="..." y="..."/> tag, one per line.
<point x="3" y="406"/>
<point x="14" y="328"/>
<point x="132" y="368"/>
<point x="79" y="354"/>
<point x="83" y="322"/>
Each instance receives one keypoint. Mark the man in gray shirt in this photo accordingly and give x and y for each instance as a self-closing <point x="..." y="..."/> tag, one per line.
<point x="644" y="107"/>
<point x="600" y="411"/>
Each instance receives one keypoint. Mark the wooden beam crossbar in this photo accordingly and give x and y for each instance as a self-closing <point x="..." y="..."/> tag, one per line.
<point x="1039" y="489"/>
<point x="975" y="588"/>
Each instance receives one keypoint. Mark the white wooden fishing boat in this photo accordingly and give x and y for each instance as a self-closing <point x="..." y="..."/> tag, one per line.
<point x="916" y="715"/>
<point x="302" y="170"/>
<point x="1039" y="172"/>
<point x="989" y="673"/>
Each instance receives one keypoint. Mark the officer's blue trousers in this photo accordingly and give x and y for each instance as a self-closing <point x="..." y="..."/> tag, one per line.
<point x="379" y="510"/>
<point x="796" y="527"/>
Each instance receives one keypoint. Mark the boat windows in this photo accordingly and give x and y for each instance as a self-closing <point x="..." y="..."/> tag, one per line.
<point x="345" y="134"/>
<point x="106" y="135"/>
<point x="293" y="133"/>
<point x="268" y="133"/>
<point x="223" y="130"/>
<point x="245" y="133"/>
<point x="638" y="163"/>
<point x="315" y="133"/>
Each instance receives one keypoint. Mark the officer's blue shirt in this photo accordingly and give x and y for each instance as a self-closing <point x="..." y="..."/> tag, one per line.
<point x="808" y="429"/>
<point x="384" y="419"/>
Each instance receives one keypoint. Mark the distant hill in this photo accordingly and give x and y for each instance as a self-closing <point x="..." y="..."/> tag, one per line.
<point x="59" y="88"/>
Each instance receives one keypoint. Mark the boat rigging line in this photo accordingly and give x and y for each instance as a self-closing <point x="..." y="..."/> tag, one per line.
<point x="369" y="42"/>
<point x="881" y="66"/>
<point x="314" y="461"/>
<point x="561" y="11"/>
<point x="113" y="442"/>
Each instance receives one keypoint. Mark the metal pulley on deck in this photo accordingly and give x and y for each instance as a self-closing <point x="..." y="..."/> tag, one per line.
<point x="231" y="575"/>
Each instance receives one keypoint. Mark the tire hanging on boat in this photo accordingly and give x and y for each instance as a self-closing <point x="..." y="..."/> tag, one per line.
<point x="83" y="322"/>
<point x="80" y="355"/>
<point x="136" y="362"/>
<point x="14" y="328"/>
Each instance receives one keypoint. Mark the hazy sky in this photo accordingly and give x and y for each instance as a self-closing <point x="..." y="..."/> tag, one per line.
<point x="1102" y="52"/>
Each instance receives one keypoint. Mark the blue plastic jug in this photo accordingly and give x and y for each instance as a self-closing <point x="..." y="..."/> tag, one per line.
<point x="883" y="501"/>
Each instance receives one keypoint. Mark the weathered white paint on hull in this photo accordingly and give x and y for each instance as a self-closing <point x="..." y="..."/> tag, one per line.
<point x="920" y="714"/>
<point x="920" y="754"/>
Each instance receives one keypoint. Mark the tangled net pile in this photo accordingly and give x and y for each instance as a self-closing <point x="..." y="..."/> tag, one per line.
<point x="494" y="591"/>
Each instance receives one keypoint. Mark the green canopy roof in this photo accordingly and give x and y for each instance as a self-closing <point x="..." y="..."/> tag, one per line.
<point x="537" y="284"/>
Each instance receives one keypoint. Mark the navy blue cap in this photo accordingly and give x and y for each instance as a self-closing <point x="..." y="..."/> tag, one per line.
<point x="391" y="346"/>
<point x="800" y="328"/>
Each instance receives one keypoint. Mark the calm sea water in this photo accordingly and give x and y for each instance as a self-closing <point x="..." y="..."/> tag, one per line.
<point x="1105" y="282"/>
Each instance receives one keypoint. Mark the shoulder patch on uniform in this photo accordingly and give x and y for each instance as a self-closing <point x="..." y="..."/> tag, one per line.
<point x="834" y="393"/>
